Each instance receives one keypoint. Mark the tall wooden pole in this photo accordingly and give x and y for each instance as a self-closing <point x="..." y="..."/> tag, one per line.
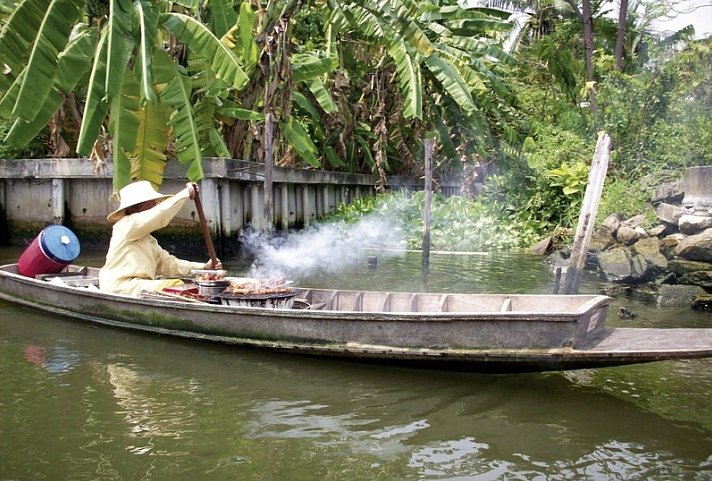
<point x="428" y="203"/>
<point x="269" y="164"/>
<point x="587" y="218"/>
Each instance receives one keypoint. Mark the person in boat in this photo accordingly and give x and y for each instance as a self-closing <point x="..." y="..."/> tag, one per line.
<point x="135" y="260"/>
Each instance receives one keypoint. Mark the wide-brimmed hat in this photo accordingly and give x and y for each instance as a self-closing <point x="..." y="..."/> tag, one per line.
<point x="134" y="194"/>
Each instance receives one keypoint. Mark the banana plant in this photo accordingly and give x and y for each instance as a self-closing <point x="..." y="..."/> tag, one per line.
<point x="134" y="86"/>
<point x="445" y="61"/>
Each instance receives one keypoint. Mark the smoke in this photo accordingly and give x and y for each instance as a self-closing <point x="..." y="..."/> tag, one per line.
<point x="324" y="248"/>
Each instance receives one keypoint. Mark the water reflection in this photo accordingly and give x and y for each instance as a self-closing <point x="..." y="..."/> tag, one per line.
<point x="120" y="405"/>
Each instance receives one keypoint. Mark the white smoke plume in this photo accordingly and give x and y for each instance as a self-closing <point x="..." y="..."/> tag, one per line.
<point x="323" y="248"/>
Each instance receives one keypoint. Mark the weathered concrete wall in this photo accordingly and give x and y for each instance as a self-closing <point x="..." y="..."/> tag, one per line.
<point x="77" y="193"/>
<point x="698" y="187"/>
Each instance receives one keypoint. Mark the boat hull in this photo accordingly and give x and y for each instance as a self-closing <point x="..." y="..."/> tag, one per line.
<point x="469" y="341"/>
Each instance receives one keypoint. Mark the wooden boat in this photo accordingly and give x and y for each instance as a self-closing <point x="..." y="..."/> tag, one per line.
<point x="483" y="333"/>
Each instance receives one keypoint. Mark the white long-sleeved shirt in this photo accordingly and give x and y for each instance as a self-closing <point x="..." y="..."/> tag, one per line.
<point x="135" y="259"/>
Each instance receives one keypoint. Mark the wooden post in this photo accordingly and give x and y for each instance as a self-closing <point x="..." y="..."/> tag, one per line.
<point x="587" y="218"/>
<point x="269" y="164"/>
<point x="255" y="205"/>
<point x="58" y="198"/>
<point x="428" y="203"/>
<point x="306" y="205"/>
<point x="285" y="206"/>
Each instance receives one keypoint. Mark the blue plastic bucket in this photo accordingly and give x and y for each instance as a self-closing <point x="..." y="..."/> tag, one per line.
<point x="51" y="251"/>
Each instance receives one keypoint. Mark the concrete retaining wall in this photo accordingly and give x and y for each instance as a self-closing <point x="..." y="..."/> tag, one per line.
<point x="77" y="193"/>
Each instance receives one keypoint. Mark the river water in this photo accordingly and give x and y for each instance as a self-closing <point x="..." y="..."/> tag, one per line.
<point x="79" y="402"/>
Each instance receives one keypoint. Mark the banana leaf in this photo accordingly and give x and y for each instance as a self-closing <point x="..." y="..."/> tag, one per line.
<point x="174" y="89"/>
<point x="222" y="16"/>
<point x="17" y="37"/>
<point x="120" y="45"/>
<point x="51" y="39"/>
<point x="409" y="80"/>
<point x="96" y="105"/>
<point x="452" y="81"/>
<point x="146" y="17"/>
<point x="125" y="113"/>
<point x="201" y="40"/>
<point x="297" y="137"/>
<point x="71" y="66"/>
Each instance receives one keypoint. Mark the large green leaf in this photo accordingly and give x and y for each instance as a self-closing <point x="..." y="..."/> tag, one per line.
<point x="322" y="96"/>
<point x="222" y="16"/>
<point x="174" y="89"/>
<point x="76" y="58"/>
<point x="307" y="66"/>
<point x="452" y="81"/>
<point x="146" y="18"/>
<point x="297" y="137"/>
<point x="17" y="37"/>
<point x="7" y="102"/>
<point x="202" y="41"/>
<point x="148" y="160"/>
<point x="409" y="80"/>
<point x="246" y="24"/>
<point x="96" y="105"/>
<point x="52" y="37"/>
<point x="71" y="66"/>
<point x="120" y="44"/>
<point x="125" y="114"/>
<point x="241" y="114"/>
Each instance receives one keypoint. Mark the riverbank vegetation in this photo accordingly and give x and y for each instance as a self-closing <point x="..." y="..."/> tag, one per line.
<point x="514" y="97"/>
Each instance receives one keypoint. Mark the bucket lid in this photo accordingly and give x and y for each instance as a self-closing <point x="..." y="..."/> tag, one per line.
<point x="59" y="244"/>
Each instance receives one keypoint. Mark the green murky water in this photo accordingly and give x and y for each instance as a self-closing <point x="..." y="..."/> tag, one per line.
<point x="79" y="402"/>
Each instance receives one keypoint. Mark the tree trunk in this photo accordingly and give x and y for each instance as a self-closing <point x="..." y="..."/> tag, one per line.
<point x="620" y="36"/>
<point x="587" y="17"/>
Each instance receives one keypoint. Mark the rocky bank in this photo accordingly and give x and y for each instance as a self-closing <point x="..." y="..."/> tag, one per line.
<point x="674" y="255"/>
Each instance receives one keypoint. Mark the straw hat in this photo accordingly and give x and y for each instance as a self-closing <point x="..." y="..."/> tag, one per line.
<point x="134" y="194"/>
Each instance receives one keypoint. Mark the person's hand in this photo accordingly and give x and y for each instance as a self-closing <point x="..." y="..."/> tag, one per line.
<point x="192" y="188"/>
<point x="216" y="266"/>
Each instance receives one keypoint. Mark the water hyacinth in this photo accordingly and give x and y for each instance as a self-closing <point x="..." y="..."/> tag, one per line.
<point x="457" y="223"/>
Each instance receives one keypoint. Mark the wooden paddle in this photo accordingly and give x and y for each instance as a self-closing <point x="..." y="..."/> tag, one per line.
<point x="204" y="227"/>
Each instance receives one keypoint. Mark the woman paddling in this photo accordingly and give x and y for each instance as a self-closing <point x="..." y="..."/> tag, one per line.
<point x="135" y="260"/>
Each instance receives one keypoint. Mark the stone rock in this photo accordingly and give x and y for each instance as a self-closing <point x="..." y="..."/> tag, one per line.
<point x="670" y="243"/>
<point x="692" y="224"/>
<point x="601" y="239"/>
<point x="669" y="214"/>
<point x="683" y="266"/>
<point x="661" y="230"/>
<point x="696" y="247"/>
<point x="649" y="250"/>
<point x="543" y="246"/>
<point x="697" y="278"/>
<point x="634" y="222"/>
<point x="611" y="223"/>
<point x="668" y="192"/>
<point x="615" y="264"/>
<point x="621" y="265"/>
<point x="627" y="235"/>
<point x="678" y="295"/>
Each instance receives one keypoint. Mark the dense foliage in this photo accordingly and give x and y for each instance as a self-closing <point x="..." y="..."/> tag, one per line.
<point x="355" y="86"/>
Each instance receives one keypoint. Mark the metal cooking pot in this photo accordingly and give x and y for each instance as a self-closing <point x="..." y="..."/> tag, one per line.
<point x="211" y="288"/>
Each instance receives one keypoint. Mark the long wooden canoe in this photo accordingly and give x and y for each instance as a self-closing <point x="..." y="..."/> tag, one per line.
<point x="471" y="332"/>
